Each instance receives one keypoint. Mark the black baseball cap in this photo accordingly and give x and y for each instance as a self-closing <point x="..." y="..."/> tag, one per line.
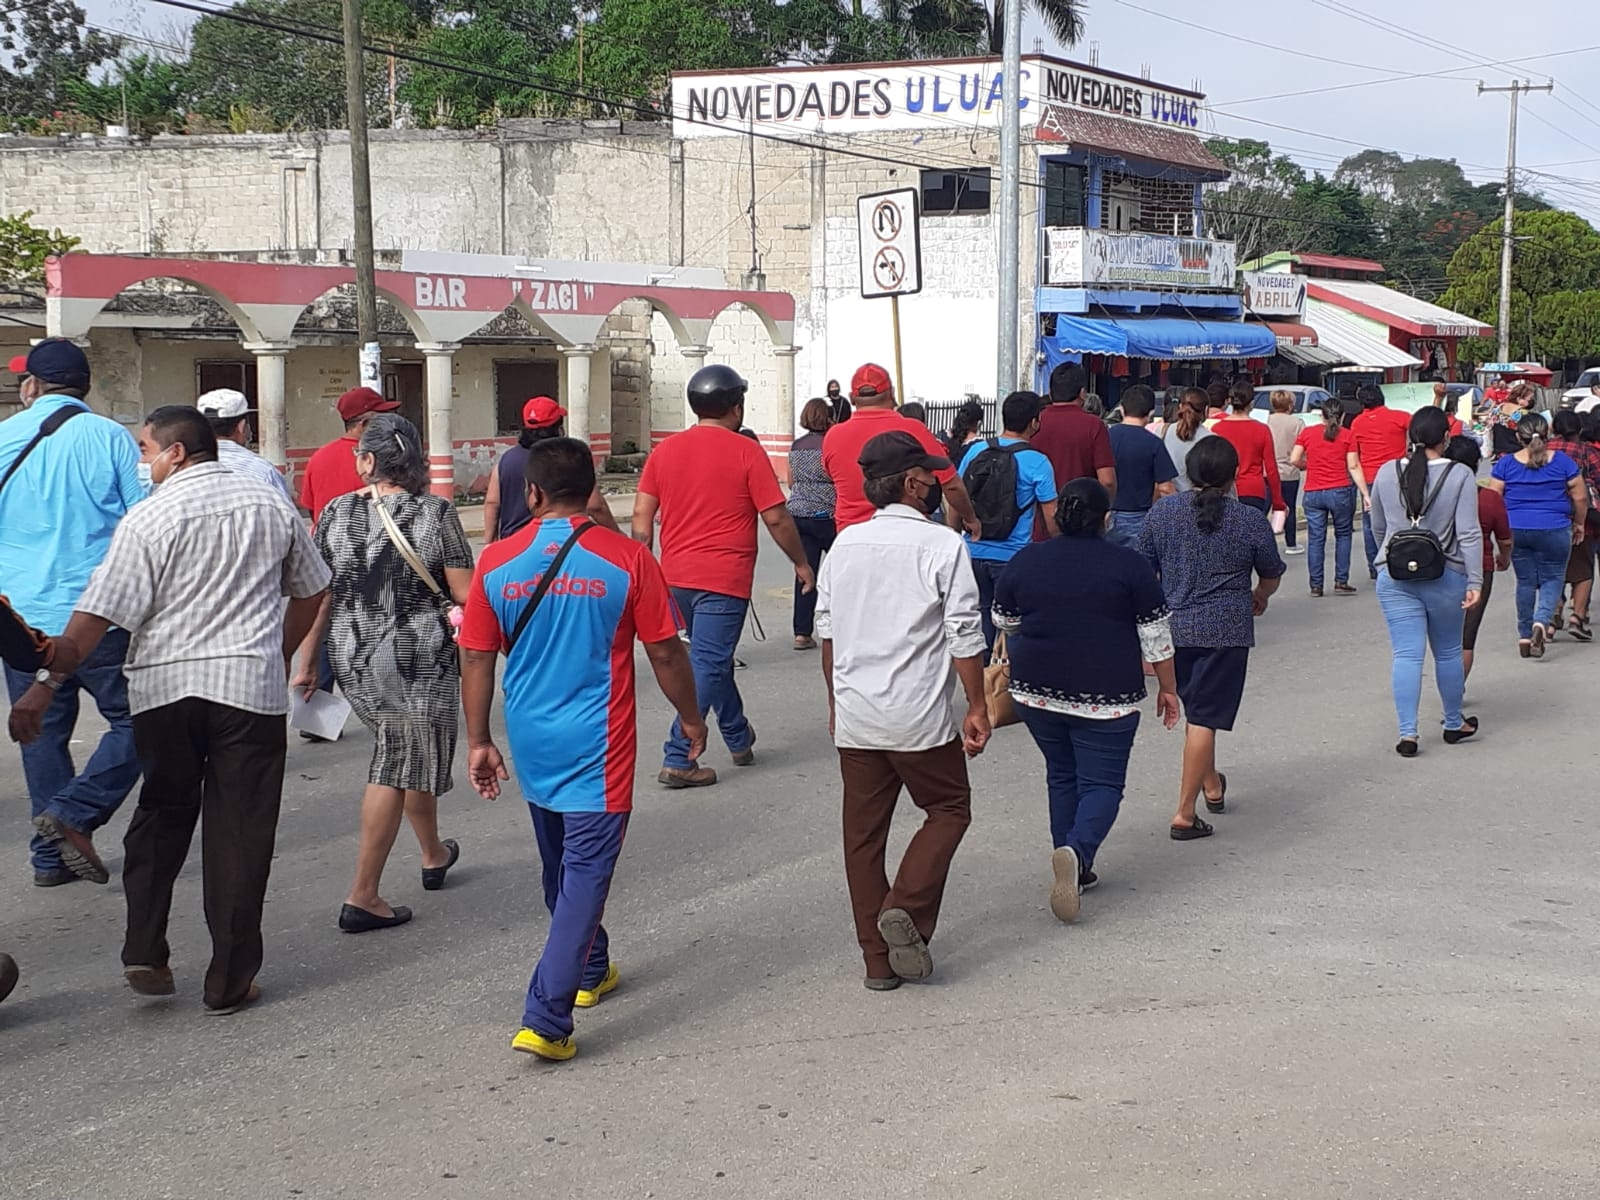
<point x="895" y="453"/>
<point x="58" y="361"/>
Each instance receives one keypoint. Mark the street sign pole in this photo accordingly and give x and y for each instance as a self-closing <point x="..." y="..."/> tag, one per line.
<point x="889" y="230"/>
<point x="899" y="368"/>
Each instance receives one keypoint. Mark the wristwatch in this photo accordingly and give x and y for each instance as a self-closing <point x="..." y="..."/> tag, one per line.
<point x="44" y="676"/>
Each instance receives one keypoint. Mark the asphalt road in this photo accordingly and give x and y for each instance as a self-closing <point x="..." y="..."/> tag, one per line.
<point x="1377" y="980"/>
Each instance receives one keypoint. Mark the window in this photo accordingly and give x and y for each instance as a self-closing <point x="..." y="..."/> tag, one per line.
<point x="1063" y="195"/>
<point x="947" y="192"/>
<point x="240" y="376"/>
<point x="516" y="381"/>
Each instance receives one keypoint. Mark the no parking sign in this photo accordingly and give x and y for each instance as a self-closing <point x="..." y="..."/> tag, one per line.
<point x="890" y="236"/>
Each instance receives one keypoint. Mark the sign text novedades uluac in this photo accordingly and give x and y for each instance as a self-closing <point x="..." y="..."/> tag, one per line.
<point x="1138" y="102"/>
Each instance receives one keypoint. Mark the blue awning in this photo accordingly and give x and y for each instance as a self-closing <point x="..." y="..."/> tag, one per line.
<point x="1167" y="338"/>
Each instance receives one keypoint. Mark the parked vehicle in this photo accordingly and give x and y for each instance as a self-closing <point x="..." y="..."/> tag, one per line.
<point x="1581" y="388"/>
<point x="1308" y="400"/>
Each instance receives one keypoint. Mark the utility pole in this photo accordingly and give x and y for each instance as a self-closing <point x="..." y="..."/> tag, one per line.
<point x="1516" y="90"/>
<point x="1006" y="375"/>
<point x="355" y="99"/>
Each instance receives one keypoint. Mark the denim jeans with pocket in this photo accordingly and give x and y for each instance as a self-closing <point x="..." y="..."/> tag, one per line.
<point x="1086" y="770"/>
<point x="714" y="622"/>
<point x="1422" y="616"/>
<point x="1539" y="557"/>
<point x="1126" y="527"/>
<point x="1324" y="507"/>
<point x="84" y="801"/>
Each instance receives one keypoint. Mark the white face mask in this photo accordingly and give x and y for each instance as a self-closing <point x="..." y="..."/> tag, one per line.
<point x="145" y="479"/>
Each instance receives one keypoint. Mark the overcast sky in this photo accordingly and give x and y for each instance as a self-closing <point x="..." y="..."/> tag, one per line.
<point x="1260" y="63"/>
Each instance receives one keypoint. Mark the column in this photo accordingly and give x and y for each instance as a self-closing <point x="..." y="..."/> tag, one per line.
<point x="440" y="358"/>
<point x="697" y="359"/>
<point x="579" y="358"/>
<point x="272" y="411"/>
<point x="785" y="355"/>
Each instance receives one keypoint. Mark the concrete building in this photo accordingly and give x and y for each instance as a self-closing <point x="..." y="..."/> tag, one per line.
<point x="752" y="189"/>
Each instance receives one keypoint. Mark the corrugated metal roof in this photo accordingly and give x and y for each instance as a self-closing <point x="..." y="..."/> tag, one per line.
<point x="1309" y="356"/>
<point x="1409" y="313"/>
<point x="1113" y="135"/>
<point x="1338" y="334"/>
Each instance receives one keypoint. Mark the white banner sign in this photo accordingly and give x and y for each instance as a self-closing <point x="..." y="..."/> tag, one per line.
<point x="888" y="225"/>
<point x="956" y="94"/>
<point x="1095" y="257"/>
<point x="1273" y="293"/>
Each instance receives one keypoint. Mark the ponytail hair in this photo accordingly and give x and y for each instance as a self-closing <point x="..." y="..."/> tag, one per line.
<point x="1532" y="430"/>
<point x="1430" y="430"/>
<point x="1332" y="418"/>
<point x="1192" y="413"/>
<point x="1212" y="466"/>
<point x="1082" y="508"/>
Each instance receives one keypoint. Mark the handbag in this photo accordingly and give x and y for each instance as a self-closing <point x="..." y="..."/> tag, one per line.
<point x="997" y="686"/>
<point x="450" y="610"/>
<point x="1415" y="554"/>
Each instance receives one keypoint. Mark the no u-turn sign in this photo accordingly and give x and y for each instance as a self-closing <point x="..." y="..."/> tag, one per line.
<point x="889" y="227"/>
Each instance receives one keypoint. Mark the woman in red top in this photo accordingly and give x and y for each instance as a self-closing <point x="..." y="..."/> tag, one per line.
<point x="1258" y="483"/>
<point x="1326" y="454"/>
<point x="1496" y="527"/>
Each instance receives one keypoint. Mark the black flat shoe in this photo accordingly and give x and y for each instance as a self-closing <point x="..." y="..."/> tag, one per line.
<point x="1188" y="833"/>
<point x="433" y="877"/>
<point x="1406" y="747"/>
<point x="1220" y="804"/>
<point x="359" y="920"/>
<point x="1469" y="726"/>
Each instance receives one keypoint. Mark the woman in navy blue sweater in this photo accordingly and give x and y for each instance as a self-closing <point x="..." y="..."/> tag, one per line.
<point x="1081" y="617"/>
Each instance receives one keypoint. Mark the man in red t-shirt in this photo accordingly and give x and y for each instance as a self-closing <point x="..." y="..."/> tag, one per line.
<point x="331" y="471"/>
<point x="1379" y="434"/>
<point x="708" y="485"/>
<point x="873" y="394"/>
<point x="1075" y="441"/>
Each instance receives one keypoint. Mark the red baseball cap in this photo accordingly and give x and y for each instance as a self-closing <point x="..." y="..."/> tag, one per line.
<point x="358" y="402"/>
<point x="542" y="412"/>
<point x="19" y="365"/>
<point x="871" y="380"/>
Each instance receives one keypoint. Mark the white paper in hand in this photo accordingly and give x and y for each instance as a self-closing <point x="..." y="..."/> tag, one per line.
<point x="322" y="716"/>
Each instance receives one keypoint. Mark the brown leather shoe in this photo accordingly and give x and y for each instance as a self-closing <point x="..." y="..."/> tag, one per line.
<point x="76" y="849"/>
<point x="692" y="777"/>
<point x="150" y="981"/>
<point x="743" y="758"/>
<point x="251" y="995"/>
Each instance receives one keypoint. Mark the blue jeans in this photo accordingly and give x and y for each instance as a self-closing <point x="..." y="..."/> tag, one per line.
<point x="1291" y="526"/>
<point x="579" y="853"/>
<point x="1539" y="557"/>
<point x="1423" y="615"/>
<point x="714" y="623"/>
<point x="1370" y="538"/>
<point x="1125" y="528"/>
<point x="987" y="572"/>
<point x="1086" y="768"/>
<point x="83" y="802"/>
<point x="1338" y="507"/>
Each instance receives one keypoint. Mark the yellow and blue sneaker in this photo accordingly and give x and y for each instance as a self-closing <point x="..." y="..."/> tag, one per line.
<point x="589" y="997"/>
<point x="530" y="1041"/>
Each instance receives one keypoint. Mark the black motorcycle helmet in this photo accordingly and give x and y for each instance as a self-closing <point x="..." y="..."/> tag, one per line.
<point x="715" y="390"/>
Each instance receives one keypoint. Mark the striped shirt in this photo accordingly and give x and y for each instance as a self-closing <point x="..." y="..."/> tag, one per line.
<point x="197" y="574"/>
<point x="244" y="461"/>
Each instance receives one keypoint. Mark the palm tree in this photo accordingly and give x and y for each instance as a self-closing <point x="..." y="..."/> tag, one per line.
<point x="1063" y="18"/>
<point x="943" y="28"/>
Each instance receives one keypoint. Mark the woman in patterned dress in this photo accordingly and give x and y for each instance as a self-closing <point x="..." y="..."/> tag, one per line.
<point x="390" y="641"/>
<point x="811" y="500"/>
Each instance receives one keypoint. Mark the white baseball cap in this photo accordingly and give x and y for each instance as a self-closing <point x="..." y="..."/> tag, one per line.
<point x="224" y="404"/>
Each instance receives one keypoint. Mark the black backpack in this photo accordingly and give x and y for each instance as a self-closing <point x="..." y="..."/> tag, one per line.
<point x="991" y="480"/>
<point x="1415" y="554"/>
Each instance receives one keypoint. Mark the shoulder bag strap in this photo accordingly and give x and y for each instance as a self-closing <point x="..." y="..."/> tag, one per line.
<point x="549" y="577"/>
<point x="1433" y="492"/>
<point x="400" y="543"/>
<point x="50" y="424"/>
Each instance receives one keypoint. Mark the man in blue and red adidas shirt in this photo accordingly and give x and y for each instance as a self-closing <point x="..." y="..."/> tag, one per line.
<point x="571" y="719"/>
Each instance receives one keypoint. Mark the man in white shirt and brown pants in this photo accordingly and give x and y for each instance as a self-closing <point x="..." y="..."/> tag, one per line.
<point x="897" y="614"/>
<point x="198" y="574"/>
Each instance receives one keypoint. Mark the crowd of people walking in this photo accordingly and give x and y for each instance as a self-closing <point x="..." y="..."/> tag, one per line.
<point x="1046" y="573"/>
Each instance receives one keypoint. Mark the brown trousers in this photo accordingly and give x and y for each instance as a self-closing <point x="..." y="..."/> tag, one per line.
<point x="937" y="781"/>
<point x="200" y="756"/>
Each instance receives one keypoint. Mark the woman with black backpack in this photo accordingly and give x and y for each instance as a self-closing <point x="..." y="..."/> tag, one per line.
<point x="1430" y="571"/>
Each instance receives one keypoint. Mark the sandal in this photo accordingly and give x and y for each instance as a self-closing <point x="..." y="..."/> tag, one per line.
<point x="1189" y="833"/>
<point x="1578" y="627"/>
<point x="1220" y="803"/>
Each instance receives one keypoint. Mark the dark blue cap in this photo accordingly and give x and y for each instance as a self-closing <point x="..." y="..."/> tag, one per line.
<point x="59" y="361"/>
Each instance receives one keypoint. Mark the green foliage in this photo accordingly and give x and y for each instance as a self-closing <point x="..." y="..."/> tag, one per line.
<point x="49" y="50"/>
<point x="145" y="90"/>
<point x="1555" y="285"/>
<point x="24" y="247"/>
<point x="443" y="97"/>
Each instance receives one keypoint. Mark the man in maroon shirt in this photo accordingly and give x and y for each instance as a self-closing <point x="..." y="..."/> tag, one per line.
<point x="1075" y="441"/>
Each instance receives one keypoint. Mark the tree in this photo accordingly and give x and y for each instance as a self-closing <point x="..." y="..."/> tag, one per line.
<point x="506" y="41"/>
<point x="24" y="247"/>
<point x="49" y="49"/>
<point x="1256" y="207"/>
<point x="1555" y="284"/>
<point x="143" y="92"/>
<point x="1063" y="18"/>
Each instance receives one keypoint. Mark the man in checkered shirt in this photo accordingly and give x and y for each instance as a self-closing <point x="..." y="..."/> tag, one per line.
<point x="197" y="574"/>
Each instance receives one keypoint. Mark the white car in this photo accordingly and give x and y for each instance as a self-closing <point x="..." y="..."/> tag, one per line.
<point x="1308" y="400"/>
<point x="1582" y="389"/>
